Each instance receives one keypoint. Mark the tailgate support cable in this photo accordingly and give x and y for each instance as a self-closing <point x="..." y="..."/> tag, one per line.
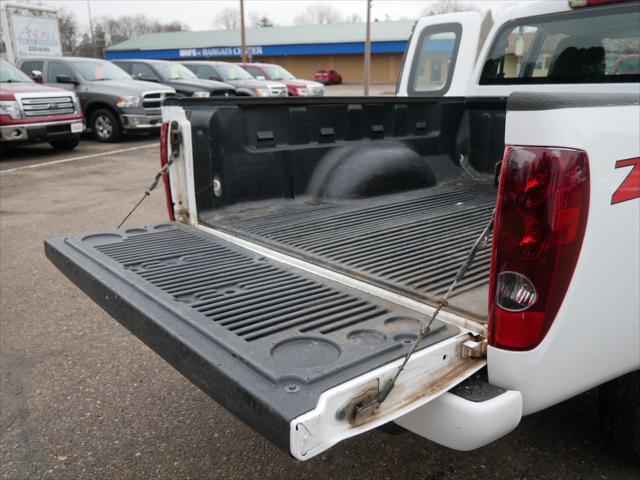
<point x="147" y="192"/>
<point x="478" y="245"/>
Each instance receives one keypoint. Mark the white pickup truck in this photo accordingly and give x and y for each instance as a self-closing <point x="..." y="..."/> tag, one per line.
<point x="315" y="238"/>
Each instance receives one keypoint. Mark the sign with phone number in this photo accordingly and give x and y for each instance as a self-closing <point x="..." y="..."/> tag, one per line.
<point x="35" y="36"/>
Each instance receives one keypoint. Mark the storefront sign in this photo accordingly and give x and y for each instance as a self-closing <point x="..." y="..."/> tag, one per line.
<point x="207" y="52"/>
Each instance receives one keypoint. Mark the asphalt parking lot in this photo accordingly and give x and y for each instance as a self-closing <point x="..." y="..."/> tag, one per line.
<point x="82" y="398"/>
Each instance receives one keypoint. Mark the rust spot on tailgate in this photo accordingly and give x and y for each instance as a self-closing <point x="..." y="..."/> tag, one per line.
<point x="438" y="381"/>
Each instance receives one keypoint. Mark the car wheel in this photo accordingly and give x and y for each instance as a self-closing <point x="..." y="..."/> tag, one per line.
<point x="65" y="145"/>
<point x="620" y="414"/>
<point x="105" y="126"/>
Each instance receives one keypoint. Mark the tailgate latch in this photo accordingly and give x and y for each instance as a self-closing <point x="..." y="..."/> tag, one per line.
<point x="175" y="139"/>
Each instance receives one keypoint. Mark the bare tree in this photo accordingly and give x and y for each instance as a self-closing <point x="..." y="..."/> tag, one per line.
<point x="125" y="27"/>
<point x="68" y="28"/>
<point x="318" y="14"/>
<point x="260" y="20"/>
<point x="227" y="18"/>
<point x="446" y="6"/>
<point x="354" y="18"/>
<point x="85" y="47"/>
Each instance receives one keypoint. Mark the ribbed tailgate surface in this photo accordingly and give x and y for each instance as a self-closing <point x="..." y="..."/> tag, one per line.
<point x="262" y="338"/>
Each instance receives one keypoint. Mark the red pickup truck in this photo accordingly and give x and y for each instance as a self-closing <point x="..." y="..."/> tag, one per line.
<point x="33" y="113"/>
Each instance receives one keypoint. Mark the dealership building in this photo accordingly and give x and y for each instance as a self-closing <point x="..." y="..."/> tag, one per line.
<point x="302" y="49"/>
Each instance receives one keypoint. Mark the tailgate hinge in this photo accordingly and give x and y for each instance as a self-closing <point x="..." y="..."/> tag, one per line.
<point x="474" y="349"/>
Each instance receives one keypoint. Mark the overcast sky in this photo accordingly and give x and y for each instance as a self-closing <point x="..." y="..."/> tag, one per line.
<point x="198" y="14"/>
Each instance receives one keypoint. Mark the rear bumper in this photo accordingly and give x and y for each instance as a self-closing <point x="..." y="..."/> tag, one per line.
<point x="466" y="422"/>
<point x="140" y="122"/>
<point x="42" y="132"/>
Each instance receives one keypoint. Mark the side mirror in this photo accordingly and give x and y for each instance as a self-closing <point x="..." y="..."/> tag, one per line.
<point x="213" y="77"/>
<point x="36" y="76"/>
<point x="65" y="79"/>
<point x="261" y="77"/>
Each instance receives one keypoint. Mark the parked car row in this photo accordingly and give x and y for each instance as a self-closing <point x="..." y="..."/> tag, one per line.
<point x="113" y="98"/>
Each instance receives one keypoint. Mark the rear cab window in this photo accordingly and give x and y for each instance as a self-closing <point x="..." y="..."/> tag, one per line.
<point x="591" y="45"/>
<point x="432" y="70"/>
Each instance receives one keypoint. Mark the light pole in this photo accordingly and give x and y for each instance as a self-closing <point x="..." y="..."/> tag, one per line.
<point x="367" y="51"/>
<point x="243" y="38"/>
<point x="93" y="39"/>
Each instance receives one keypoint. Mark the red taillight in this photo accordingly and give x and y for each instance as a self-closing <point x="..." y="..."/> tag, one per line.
<point x="164" y="139"/>
<point x="541" y="216"/>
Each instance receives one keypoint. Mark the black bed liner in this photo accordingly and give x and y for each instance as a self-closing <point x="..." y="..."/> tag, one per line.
<point x="412" y="243"/>
<point x="262" y="338"/>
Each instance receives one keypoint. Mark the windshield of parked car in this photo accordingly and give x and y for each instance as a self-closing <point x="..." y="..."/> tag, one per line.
<point x="174" y="71"/>
<point x="230" y="72"/>
<point x="276" y="72"/>
<point x="10" y="74"/>
<point x="98" y="70"/>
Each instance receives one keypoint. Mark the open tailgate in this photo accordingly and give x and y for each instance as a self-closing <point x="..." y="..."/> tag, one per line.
<point x="287" y="351"/>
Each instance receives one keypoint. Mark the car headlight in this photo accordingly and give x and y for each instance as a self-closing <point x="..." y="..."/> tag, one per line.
<point x="302" y="91"/>
<point x="11" y="108"/>
<point x="200" y="94"/>
<point x="76" y="102"/>
<point x="262" y="92"/>
<point x="128" y="102"/>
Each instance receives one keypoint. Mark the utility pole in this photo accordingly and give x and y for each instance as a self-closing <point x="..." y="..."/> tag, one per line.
<point x="243" y="38"/>
<point x="367" y="51"/>
<point x="93" y="39"/>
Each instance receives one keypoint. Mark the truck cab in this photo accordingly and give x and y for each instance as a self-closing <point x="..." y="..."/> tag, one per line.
<point x="446" y="259"/>
<point x="543" y="46"/>
<point x="33" y="113"/>
<point x="114" y="103"/>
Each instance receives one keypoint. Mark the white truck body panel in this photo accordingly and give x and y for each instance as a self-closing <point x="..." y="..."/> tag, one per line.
<point x="596" y="334"/>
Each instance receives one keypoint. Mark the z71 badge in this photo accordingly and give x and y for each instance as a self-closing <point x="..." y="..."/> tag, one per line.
<point x="630" y="186"/>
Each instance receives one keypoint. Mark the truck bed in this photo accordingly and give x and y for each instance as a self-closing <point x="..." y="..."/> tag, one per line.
<point x="412" y="243"/>
<point x="391" y="191"/>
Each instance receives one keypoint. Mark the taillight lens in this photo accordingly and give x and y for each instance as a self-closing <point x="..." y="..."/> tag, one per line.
<point x="541" y="216"/>
<point x="164" y="139"/>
